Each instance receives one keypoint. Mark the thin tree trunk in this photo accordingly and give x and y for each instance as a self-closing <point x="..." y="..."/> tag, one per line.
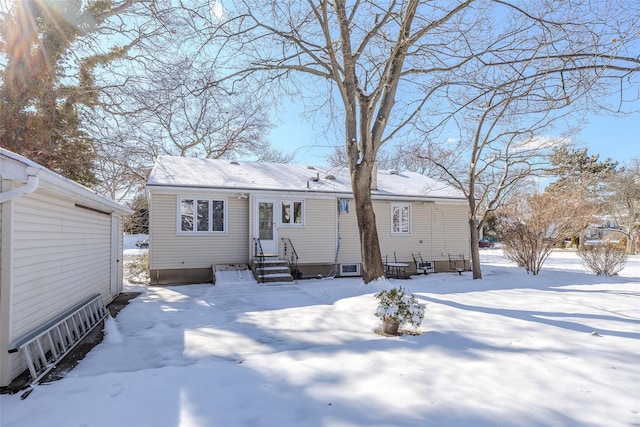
<point x="475" y="252"/>
<point x="473" y="228"/>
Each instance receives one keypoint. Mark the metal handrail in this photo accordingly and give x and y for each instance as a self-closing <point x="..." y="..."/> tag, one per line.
<point x="259" y="253"/>
<point x="293" y="262"/>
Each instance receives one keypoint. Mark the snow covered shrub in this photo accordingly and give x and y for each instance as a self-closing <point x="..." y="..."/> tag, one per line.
<point x="397" y="305"/>
<point x="138" y="269"/>
<point x="606" y="259"/>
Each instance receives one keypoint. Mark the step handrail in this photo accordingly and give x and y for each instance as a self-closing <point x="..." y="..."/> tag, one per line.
<point x="293" y="262"/>
<point x="259" y="253"/>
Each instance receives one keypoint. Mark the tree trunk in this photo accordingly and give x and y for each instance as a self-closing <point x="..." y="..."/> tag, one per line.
<point x="475" y="251"/>
<point x="372" y="266"/>
<point x="473" y="228"/>
<point x="632" y="242"/>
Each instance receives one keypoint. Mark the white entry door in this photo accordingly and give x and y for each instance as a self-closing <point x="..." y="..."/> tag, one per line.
<point x="265" y="226"/>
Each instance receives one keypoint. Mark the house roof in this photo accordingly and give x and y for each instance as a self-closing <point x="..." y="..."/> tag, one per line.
<point x="187" y="172"/>
<point x="18" y="168"/>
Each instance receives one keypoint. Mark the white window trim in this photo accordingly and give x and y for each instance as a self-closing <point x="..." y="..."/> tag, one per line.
<point x="400" y="206"/>
<point x="291" y="202"/>
<point x="225" y="224"/>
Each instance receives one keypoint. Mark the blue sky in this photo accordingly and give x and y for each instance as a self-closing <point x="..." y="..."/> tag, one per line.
<point x="615" y="137"/>
<point x="606" y="135"/>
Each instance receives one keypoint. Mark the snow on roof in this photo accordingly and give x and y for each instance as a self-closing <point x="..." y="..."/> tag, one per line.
<point x="172" y="171"/>
<point x="61" y="182"/>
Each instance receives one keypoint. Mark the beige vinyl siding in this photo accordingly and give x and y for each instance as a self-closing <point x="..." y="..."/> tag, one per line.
<point x="61" y="256"/>
<point x="451" y="233"/>
<point x="349" y="237"/>
<point x="435" y="230"/>
<point x="315" y="242"/>
<point x="170" y="250"/>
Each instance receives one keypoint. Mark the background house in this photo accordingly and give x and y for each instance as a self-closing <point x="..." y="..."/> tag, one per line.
<point x="205" y="212"/>
<point x="61" y="243"/>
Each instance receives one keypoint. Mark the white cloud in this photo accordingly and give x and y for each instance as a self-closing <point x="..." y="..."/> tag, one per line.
<point x="539" y="143"/>
<point x="217" y="10"/>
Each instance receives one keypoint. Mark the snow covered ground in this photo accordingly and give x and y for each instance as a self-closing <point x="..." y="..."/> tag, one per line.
<point x="560" y="349"/>
<point x="130" y="248"/>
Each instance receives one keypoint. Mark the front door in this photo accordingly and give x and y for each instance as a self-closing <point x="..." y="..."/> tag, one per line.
<point x="265" y="226"/>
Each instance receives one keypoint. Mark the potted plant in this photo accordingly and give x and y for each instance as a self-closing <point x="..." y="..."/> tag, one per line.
<point x="397" y="307"/>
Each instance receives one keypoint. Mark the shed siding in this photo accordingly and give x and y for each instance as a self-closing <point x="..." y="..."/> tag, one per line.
<point x="61" y="256"/>
<point x="56" y="243"/>
<point x="169" y="250"/>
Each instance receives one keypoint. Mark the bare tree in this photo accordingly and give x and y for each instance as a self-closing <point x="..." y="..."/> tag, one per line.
<point x="498" y="151"/>
<point x="153" y="97"/>
<point x="530" y="227"/>
<point x="383" y="68"/>
<point x="623" y="203"/>
<point x="496" y="135"/>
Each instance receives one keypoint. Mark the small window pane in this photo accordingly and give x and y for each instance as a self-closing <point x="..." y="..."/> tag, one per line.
<point x="297" y="212"/>
<point x="396" y="219"/>
<point x="286" y="212"/>
<point x="218" y="215"/>
<point x="405" y="219"/>
<point x="203" y="215"/>
<point x="186" y="215"/>
<point x="265" y="227"/>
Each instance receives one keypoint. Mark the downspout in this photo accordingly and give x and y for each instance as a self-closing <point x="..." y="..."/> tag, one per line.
<point x="32" y="183"/>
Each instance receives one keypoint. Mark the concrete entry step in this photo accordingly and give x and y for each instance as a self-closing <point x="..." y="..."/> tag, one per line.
<point x="271" y="270"/>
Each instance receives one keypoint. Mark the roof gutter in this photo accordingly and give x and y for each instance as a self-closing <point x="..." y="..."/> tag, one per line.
<point x="32" y="183"/>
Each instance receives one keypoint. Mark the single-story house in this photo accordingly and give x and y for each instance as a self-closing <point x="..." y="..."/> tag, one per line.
<point x="61" y="244"/>
<point x="206" y="212"/>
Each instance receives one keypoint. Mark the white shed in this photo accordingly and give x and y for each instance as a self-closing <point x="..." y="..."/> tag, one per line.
<point x="60" y="243"/>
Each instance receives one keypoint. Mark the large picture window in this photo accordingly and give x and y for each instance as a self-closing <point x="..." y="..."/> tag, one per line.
<point x="400" y="219"/>
<point x="292" y="212"/>
<point x="202" y="216"/>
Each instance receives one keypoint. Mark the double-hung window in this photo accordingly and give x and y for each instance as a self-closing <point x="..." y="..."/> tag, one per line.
<point x="202" y="216"/>
<point x="291" y="212"/>
<point x="400" y="219"/>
